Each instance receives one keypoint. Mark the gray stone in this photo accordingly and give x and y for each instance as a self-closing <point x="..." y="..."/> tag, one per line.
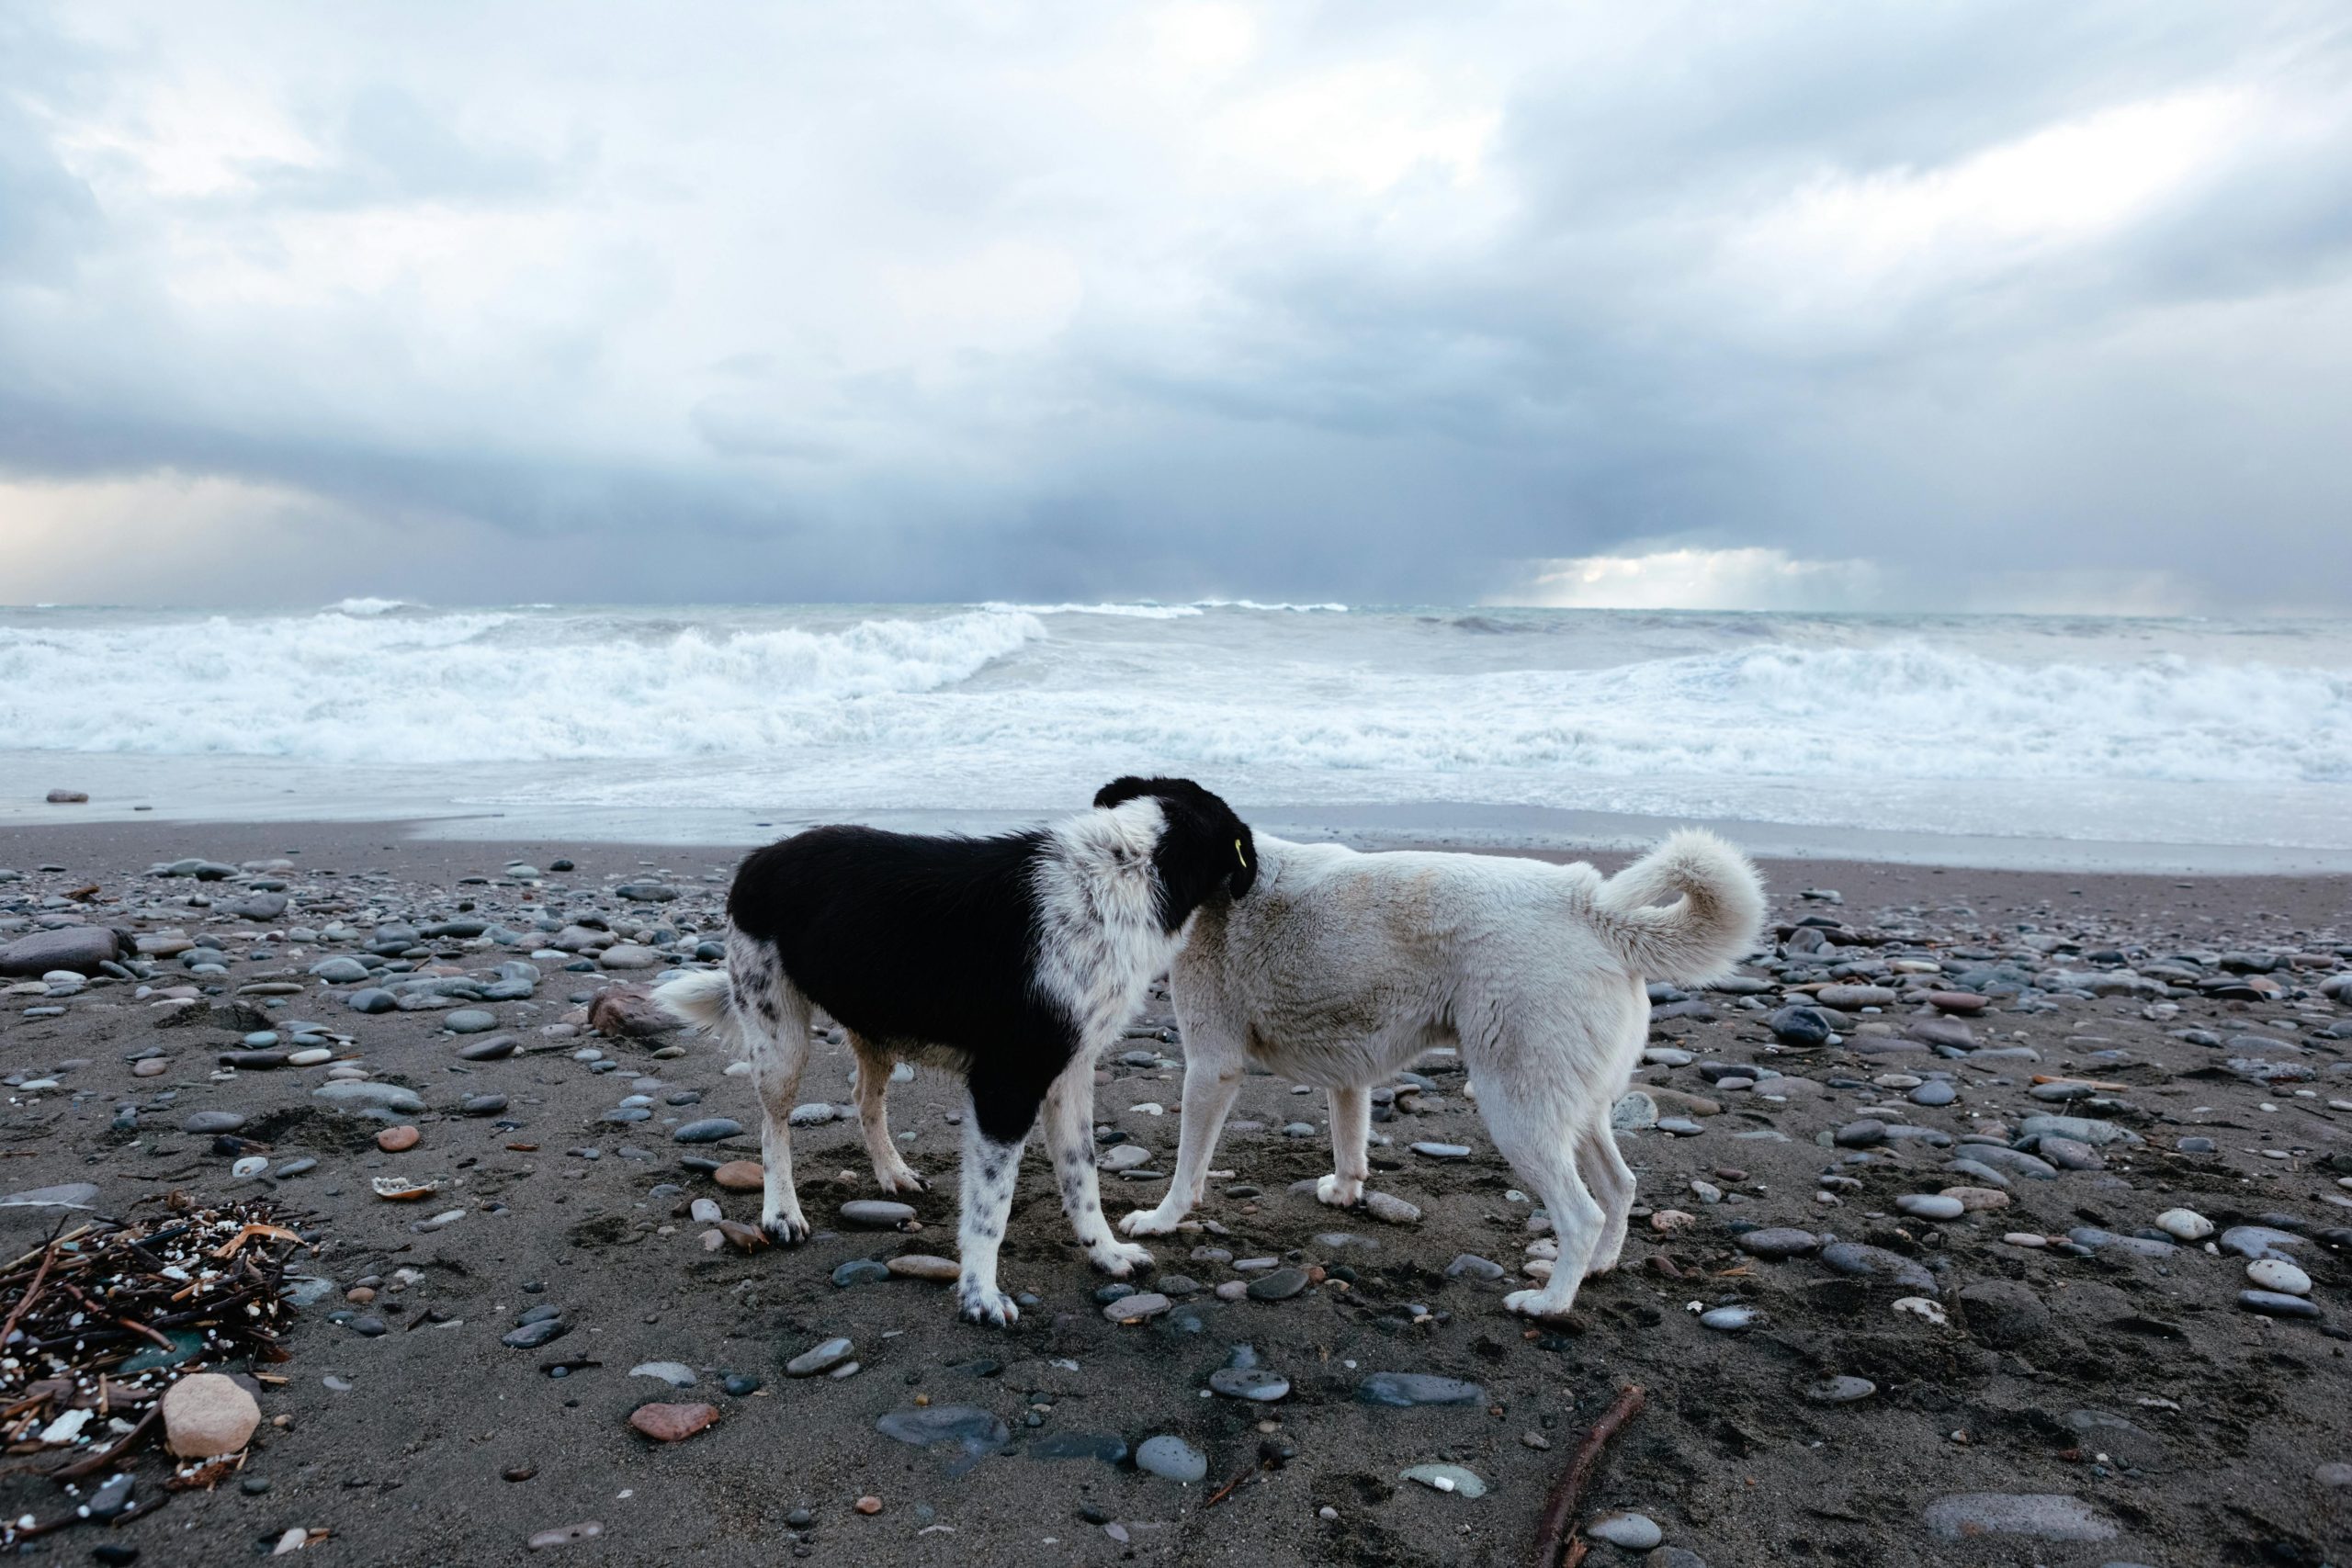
<point x="1448" y="1478"/>
<point x="363" y="1095"/>
<point x="1777" y="1242"/>
<point x="2275" y="1304"/>
<point x="2038" y="1516"/>
<point x="710" y="1130"/>
<point x="677" y="1374"/>
<point x="471" y="1021"/>
<point x="375" y="998"/>
<point x="1839" y="1390"/>
<point x="1256" y="1383"/>
<point x="81" y="948"/>
<point x="875" y="1213"/>
<point x="1443" y="1151"/>
<point x="819" y="1358"/>
<point x="1171" y="1458"/>
<point x="1407" y="1389"/>
<point x="67" y="1195"/>
<point x="1635" y="1533"/>
<point x="1875" y="1263"/>
<point x="213" y="1121"/>
<point x="1280" y="1285"/>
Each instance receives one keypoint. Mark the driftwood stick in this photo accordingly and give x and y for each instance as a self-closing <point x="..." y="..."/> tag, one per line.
<point x="1558" y="1520"/>
<point x="49" y="1256"/>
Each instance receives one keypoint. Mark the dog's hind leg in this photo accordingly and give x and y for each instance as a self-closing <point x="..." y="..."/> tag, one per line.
<point x="1212" y="1078"/>
<point x="1612" y="1182"/>
<point x="1351" y="1142"/>
<point x="774" y="1017"/>
<point x="873" y="1067"/>
<point x="1534" y="1126"/>
<point x="996" y="1127"/>
<point x="1069" y="1143"/>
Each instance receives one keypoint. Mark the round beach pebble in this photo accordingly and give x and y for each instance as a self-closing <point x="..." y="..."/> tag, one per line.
<point x="923" y="1266"/>
<point x="2184" y="1224"/>
<point x="1930" y="1206"/>
<point x="2277" y="1274"/>
<point x="741" y="1175"/>
<point x="392" y="1139"/>
<point x="206" y="1414"/>
<point x="1635" y="1533"/>
<point x="672" y="1423"/>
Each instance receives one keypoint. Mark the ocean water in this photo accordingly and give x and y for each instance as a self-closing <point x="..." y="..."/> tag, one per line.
<point x="2012" y="737"/>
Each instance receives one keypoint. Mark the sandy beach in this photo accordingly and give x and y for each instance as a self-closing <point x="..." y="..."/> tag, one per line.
<point x="2066" y="1383"/>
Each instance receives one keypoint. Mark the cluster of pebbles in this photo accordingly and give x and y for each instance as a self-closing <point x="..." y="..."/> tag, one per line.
<point x="1978" y="1185"/>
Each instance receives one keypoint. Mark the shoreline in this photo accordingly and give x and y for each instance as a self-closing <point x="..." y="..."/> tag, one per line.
<point x="1538" y="832"/>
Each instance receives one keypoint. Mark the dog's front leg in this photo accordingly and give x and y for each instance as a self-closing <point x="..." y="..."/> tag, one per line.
<point x="1069" y="1142"/>
<point x="995" y="1126"/>
<point x="1351" y="1140"/>
<point x="1212" y="1079"/>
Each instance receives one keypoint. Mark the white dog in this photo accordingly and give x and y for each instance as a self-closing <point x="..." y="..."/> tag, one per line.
<point x="1339" y="968"/>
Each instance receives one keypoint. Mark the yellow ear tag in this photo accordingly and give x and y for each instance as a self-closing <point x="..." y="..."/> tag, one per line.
<point x="1240" y="856"/>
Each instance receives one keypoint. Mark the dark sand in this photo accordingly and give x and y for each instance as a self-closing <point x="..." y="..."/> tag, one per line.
<point x="2230" y="1414"/>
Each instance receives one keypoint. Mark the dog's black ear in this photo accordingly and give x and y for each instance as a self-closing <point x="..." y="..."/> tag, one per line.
<point x="1121" y="789"/>
<point x="1245" y="849"/>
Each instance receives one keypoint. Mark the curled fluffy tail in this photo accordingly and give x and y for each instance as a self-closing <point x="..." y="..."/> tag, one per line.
<point x="704" y="1002"/>
<point x="1686" y="912"/>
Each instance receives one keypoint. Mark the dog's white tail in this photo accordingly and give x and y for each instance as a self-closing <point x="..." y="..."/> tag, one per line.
<point x="1711" y="923"/>
<point x="704" y="1002"/>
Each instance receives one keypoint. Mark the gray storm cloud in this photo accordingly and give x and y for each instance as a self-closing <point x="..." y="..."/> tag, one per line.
<point x="1991" y="306"/>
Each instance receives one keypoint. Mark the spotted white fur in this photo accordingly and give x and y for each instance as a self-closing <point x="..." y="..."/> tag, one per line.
<point x="1101" y="942"/>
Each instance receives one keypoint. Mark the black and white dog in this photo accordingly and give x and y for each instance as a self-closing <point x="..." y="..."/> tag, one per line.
<point x="1013" y="960"/>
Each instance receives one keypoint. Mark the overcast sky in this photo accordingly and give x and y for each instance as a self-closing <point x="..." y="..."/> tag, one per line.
<point x="1979" y="305"/>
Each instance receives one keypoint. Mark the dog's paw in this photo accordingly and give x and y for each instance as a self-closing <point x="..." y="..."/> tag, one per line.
<point x="1338" y="1193"/>
<point x="900" y="1180"/>
<point x="1147" y="1222"/>
<point x="986" y="1305"/>
<point x="1120" y="1258"/>
<point x="1599" y="1266"/>
<point x="1535" y="1304"/>
<point x="785" y="1230"/>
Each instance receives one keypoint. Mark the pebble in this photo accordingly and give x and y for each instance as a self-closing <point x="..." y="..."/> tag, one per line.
<point x="924" y="1266"/>
<point x="1930" y="1206"/>
<point x="1280" y="1285"/>
<point x="672" y="1423"/>
<point x="741" y="1175"/>
<point x="2038" y="1516"/>
<point x="1256" y="1383"/>
<point x="874" y="1214"/>
<point x="1137" y="1308"/>
<point x="1635" y="1533"/>
<point x="392" y="1139"/>
<point x="1408" y="1389"/>
<point x="1443" y="1151"/>
<point x="207" y="1413"/>
<point x="1875" y="1262"/>
<point x="1839" y="1390"/>
<point x="677" y="1374"/>
<point x="711" y="1129"/>
<point x="564" y="1535"/>
<point x="1777" y="1242"/>
<point x="1450" y="1478"/>
<point x="819" y="1358"/>
<point x="1171" y="1458"/>
<point x="1734" y="1319"/>
<point x="2277" y="1274"/>
<point x="471" y="1021"/>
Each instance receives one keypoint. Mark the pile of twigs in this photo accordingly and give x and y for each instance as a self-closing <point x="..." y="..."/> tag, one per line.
<point x="100" y="1320"/>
